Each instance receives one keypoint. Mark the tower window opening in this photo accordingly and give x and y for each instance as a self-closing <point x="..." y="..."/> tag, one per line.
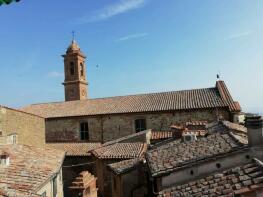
<point x="84" y="131"/>
<point x="72" y="69"/>
<point x="81" y="69"/>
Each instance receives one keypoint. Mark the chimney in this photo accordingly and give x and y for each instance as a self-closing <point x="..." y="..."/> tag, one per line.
<point x="177" y="131"/>
<point x="254" y="126"/>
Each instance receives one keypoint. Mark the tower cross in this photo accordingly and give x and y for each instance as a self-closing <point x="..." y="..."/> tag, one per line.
<point x="73" y="35"/>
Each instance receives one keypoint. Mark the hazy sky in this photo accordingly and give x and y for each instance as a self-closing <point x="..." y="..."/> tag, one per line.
<point x="140" y="46"/>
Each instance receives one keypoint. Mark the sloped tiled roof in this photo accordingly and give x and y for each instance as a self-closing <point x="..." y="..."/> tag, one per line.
<point x="29" y="168"/>
<point x="167" y="157"/>
<point x="222" y="126"/>
<point x="124" y="166"/>
<point x="234" y="126"/>
<point x="158" y="135"/>
<point x="234" y="181"/>
<point x="177" y="100"/>
<point x="121" y="150"/>
<point x="75" y="149"/>
<point x="196" y="123"/>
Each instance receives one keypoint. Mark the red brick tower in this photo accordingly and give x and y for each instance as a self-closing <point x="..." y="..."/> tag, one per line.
<point x="75" y="82"/>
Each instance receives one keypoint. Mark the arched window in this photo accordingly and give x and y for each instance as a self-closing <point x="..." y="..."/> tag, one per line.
<point x="84" y="131"/>
<point x="72" y="69"/>
<point x="81" y="69"/>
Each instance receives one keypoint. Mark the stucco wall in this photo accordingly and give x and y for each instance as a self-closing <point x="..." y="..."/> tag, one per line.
<point x="109" y="127"/>
<point x="204" y="169"/>
<point x="30" y="129"/>
<point x="48" y="187"/>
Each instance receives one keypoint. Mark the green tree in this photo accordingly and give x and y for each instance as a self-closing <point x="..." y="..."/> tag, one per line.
<point x="7" y="1"/>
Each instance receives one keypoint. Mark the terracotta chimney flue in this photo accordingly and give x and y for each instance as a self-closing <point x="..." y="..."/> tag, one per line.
<point x="254" y="126"/>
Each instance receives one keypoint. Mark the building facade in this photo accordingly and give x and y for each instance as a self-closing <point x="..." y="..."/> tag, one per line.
<point x="18" y="127"/>
<point x="80" y="118"/>
<point x="30" y="171"/>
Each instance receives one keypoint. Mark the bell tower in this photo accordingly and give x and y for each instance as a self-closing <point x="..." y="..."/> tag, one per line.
<point x="75" y="82"/>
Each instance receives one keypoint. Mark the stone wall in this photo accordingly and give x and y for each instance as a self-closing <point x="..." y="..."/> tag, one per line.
<point x="108" y="127"/>
<point x="30" y="129"/>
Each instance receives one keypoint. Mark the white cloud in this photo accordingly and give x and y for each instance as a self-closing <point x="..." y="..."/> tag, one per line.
<point x="54" y="74"/>
<point x="239" y="35"/>
<point x="112" y="10"/>
<point x="132" y="36"/>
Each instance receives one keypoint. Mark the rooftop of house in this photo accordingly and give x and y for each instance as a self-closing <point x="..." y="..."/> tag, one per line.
<point x="220" y="126"/>
<point x="170" y="156"/>
<point x="135" y="137"/>
<point x="121" y="150"/>
<point x="20" y="111"/>
<point x="30" y="167"/>
<point x="234" y="181"/>
<point x="215" y="97"/>
<point x="124" y="166"/>
<point x="161" y="135"/>
<point x="75" y="149"/>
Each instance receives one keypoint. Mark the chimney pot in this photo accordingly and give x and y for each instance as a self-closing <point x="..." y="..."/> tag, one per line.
<point x="254" y="126"/>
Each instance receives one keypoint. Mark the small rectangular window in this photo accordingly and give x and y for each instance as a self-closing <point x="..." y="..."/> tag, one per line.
<point x="4" y="160"/>
<point x="84" y="131"/>
<point x="55" y="187"/>
<point x="140" y="125"/>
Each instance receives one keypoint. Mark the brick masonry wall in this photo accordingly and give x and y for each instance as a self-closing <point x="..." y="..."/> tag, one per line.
<point x="109" y="127"/>
<point x="30" y="129"/>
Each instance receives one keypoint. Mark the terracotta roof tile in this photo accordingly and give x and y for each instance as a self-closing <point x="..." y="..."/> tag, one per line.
<point x="165" y="101"/>
<point x="167" y="157"/>
<point x="196" y="123"/>
<point x="124" y="166"/>
<point x="236" y="180"/>
<point x="121" y="151"/>
<point x="157" y="135"/>
<point x="233" y="126"/>
<point x="29" y="168"/>
<point x="75" y="149"/>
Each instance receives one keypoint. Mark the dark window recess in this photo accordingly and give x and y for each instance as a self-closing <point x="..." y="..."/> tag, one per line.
<point x="140" y="125"/>
<point x="84" y="131"/>
<point x="81" y="69"/>
<point x="55" y="187"/>
<point x="44" y="194"/>
<point x="72" y="69"/>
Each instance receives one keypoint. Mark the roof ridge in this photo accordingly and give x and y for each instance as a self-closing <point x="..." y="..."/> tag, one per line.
<point x="121" y="96"/>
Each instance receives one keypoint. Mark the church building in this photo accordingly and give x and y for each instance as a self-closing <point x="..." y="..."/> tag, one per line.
<point x="83" y="119"/>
